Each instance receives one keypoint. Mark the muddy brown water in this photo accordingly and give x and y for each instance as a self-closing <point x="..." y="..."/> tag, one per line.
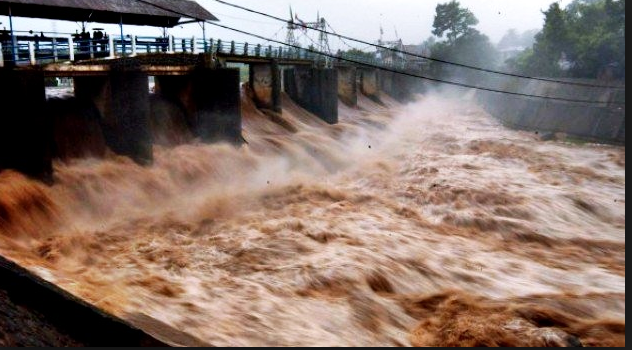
<point x="422" y="224"/>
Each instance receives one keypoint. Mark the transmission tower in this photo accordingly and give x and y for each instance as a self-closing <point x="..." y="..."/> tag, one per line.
<point x="389" y="56"/>
<point x="323" y="40"/>
<point x="295" y="23"/>
<point x="291" y="28"/>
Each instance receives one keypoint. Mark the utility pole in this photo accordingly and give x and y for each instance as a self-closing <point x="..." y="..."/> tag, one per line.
<point x="204" y="36"/>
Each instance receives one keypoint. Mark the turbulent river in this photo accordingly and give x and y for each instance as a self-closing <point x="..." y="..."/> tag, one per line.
<point x="422" y="224"/>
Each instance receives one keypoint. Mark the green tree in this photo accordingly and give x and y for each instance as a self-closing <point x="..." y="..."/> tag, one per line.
<point x="464" y="43"/>
<point x="598" y="37"/>
<point x="453" y="21"/>
<point x="589" y="33"/>
<point x="552" y="43"/>
<point x="528" y="37"/>
<point x="520" y="62"/>
<point x="473" y="48"/>
<point x="428" y="45"/>
<point x="359" y="54"/>
<point x="514" y="39"/>
<point x="510" y="39"/>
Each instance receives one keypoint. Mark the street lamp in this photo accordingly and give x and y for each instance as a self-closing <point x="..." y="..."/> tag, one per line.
<point x="14" y="42"/>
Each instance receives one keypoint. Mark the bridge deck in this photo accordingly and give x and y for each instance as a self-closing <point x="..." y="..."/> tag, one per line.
<point x="39" y="51"/>
<point x="97" y="68"/>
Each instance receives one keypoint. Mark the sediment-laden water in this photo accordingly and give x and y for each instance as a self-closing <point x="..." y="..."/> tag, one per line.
<point x="422" y="224"/>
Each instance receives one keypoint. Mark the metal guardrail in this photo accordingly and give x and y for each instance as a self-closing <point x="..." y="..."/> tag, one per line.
<point x="40" y="51"/>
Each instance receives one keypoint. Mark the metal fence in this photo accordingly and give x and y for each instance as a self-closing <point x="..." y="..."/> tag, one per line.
<point x="30" y="50"/>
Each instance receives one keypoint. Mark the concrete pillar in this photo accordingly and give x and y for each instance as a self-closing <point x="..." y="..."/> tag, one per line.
<point x="369" y="83"/>
<point x="347" y="85"/>
<point x="134" y="49"/>
<point x="112" y="47"/>
<point x="265" y="82"/>
<point x="55" y="52"/>
<point x="25" y="131"/>
<point x="171" y="46"/>
<point x="385" y="79"/>
<point x="405" y="87"/>
<point x="32" y="59"/>
<point x="122" y="99"/>
<point x="314" y="89"/>
<point x="71" y="49"/>
<point x="211" y="99"/>
<point x="91" y="49"/>
<point x="398" y="86"/>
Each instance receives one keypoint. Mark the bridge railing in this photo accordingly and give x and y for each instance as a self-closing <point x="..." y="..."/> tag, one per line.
<point x="34" y="50"/>
<point x="25" y="50"/>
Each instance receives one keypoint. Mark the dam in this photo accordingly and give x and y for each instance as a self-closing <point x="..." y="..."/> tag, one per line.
<point x="308" y="205"/>
<point x="212" y="107"/>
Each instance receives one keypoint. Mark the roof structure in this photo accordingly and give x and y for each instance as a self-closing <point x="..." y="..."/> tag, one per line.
<point x="157" y="13"/>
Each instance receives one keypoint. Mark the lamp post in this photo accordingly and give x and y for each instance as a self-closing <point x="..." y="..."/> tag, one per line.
<point x="14" y="41"/>
<point x="1" y="54"/>
<point x="122" y="37"/>
<point x="204" y="36"/>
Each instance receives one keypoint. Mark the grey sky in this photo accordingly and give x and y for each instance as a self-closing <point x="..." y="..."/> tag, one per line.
<point x="362" y="19"/>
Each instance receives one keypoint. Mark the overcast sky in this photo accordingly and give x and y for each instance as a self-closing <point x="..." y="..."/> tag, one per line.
<point x="410" y="19"/>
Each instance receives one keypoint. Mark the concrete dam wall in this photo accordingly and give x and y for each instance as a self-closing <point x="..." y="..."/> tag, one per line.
<point x="596" y="122"/>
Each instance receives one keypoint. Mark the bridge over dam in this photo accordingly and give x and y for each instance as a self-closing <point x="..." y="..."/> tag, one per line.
<point x="111" y="74"/>
<point x="194" y="74"/>
<point x="113" y="102"/>
<point x="113" y="98"/>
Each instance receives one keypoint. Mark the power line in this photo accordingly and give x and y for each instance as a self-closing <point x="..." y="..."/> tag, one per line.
<point x="312" y="41"/>
<point x="415" y="75"/>
<point x="276" y="35"/>
<point x="390" y="69"/>
<point x="341" y="39"/>
<point x="423" y="56"/>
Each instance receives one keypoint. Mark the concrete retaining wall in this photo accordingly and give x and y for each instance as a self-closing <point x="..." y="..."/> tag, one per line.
<point x="604" y="123"/>
<point x="75" y="319"/>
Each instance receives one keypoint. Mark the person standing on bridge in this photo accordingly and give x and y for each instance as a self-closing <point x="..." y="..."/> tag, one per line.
<point x="37" y="41"/>
<point x="98" y="40"/>
<point x="85" y="42"/>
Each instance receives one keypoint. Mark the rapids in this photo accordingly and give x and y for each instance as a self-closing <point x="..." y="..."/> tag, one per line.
<point x="422" y="224"/>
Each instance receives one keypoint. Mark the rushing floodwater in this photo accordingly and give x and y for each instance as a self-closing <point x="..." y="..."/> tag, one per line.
<point x="425" y="224"/>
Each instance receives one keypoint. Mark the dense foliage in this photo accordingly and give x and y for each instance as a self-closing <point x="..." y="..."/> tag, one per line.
<point x="584" y="40"/>
<point x="513" y="39"/>
<point x="453" y="21"/>
<point x="464" y="43"/>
